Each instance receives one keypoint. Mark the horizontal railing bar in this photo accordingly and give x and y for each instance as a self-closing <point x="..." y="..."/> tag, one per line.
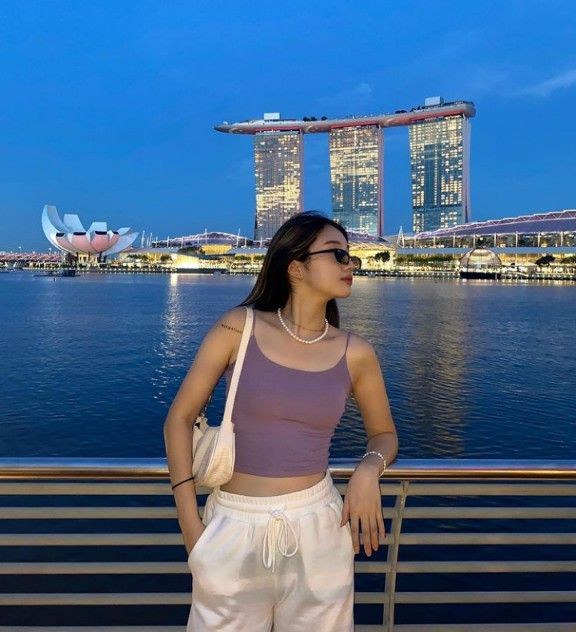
<point x="57" y="467"/>
<point x="105" y="539"/>
<point x="490" y="513"/>
<point x="465" y="627"/>
<point x="487" y="538"/>
<point x="85" y="489"/>
<point x="363" y="566"/>
<point x="114" y="488"/>
<point x="95" y="568"/>
<point x="50" y="512"/>
<point x="124" y="599"/>
<point x="144" y="628"/>
<point x="455" y="627"/>
<point x="42" y="488"/>
<point x="96" y="628"/>
<point x="495" y="596"/>
<point x="131" y="568"/>
<point x="402" y="469"/>
<point x="492" y="489"/>
<point x="488" y="566"/>
<point x="153" y="598"/>
<point x="94" y="599"/>
<point x="428" y="513"/>
<point x="91" y="539"/>
<point x="103" y="513"/>
<point x="39" y="487"/>
<point x="169" y="513"/>
<point x="89" y="513"/>
<point x="137" y="568"/>
<point x="481" y="627"/>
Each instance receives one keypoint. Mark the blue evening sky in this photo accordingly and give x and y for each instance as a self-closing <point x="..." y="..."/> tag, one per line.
<point x="107" y="107"/>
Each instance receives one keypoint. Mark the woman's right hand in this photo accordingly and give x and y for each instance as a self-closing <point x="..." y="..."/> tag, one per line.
<point x="192" y="536"/>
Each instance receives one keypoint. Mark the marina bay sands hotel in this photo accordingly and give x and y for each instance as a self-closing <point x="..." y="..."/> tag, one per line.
<point x="439" y="136"/>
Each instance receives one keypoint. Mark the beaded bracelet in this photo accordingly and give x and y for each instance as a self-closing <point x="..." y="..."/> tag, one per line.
<point x="377" y="454"/>
<point x="181" y="482"/>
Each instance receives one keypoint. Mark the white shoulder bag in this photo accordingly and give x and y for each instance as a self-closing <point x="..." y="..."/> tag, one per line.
<point x="213" y="447"/>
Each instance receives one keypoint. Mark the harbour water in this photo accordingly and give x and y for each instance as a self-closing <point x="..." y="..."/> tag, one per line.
<point x="474" y="369"/>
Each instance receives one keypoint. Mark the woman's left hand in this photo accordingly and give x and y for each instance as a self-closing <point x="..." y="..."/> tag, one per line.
<point x="363" y="507"/>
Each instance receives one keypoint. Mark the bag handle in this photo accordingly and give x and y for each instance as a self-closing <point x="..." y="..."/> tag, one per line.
<point x="238" y="366"/>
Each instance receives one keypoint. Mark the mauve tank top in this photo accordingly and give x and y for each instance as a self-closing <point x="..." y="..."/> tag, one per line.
<point x="284" y="418"/>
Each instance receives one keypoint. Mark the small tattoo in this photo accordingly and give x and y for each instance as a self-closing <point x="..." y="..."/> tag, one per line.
<point x="231" y="328"/>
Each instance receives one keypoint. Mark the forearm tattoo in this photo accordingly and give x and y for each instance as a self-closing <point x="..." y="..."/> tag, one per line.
<point x="231" y="328"/>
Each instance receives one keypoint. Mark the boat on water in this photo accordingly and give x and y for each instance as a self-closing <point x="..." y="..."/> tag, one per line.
<point x="479" y="274"/>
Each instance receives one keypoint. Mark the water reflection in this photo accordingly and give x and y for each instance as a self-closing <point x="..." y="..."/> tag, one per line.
<point x="91" y="364"/>
<point x="437" y="355"/>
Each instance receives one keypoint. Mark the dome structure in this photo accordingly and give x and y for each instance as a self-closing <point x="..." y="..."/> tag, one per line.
<point x="481" y="258"/>
<point x="69" y="235"/>
<point x="480" y="263"/>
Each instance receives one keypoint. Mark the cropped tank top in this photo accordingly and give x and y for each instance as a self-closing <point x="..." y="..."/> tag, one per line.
<point x="284" y="418"/>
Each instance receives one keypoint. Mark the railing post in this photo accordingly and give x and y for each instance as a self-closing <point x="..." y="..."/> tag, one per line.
<point x="393" y="548"/>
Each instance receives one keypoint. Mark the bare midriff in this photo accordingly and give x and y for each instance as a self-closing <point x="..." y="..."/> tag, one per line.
<point x="252" y="485"/>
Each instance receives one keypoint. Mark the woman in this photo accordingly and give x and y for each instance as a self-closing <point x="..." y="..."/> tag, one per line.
<point x="276" y="544"/>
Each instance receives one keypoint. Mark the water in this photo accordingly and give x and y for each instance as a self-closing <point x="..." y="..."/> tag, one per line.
<point x="473" y="369"/>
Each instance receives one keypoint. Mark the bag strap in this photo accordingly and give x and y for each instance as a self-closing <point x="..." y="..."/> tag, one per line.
<point x="238" y="366"/>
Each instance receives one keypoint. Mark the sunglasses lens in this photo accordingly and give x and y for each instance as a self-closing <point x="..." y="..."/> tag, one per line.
<point x="342" y="256"/>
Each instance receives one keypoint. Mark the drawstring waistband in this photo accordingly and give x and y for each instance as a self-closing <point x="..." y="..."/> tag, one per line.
<point x="276" y="512"/>
<point x="277" y="536"/>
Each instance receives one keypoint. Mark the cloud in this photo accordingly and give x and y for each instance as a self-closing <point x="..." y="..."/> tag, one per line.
<point x="546" y="88"/>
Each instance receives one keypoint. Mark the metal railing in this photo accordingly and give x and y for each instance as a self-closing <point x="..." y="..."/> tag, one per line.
<point x="471" y="545"/>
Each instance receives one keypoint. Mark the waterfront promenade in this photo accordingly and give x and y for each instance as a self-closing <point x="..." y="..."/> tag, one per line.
<point x="509" y="274"/>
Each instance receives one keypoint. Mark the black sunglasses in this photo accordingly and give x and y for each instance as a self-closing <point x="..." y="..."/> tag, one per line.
<point x="342" y="256"/>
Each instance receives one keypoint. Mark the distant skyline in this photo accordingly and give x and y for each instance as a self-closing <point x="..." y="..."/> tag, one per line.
<point x="108" y="108"/>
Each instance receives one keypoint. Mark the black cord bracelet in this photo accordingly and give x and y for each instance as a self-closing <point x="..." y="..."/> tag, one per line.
<point x="181" y="482"/>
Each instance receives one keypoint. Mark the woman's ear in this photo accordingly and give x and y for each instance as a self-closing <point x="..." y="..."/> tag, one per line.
<point x="295" y="269"/>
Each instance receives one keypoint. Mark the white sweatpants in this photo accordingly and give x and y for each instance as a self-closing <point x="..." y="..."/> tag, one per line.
<point x="276" y="562"/>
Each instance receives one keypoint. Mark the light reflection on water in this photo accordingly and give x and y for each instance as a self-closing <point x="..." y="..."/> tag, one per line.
<point x="473" y="369"/>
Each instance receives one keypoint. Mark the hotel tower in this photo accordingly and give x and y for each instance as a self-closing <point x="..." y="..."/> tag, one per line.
<point x="356" y="174"/>
<point x="278" y="167"/>
<point x="439" y="156"/>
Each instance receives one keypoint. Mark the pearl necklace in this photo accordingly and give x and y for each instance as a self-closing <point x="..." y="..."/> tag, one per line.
<point x="306" y="342"/>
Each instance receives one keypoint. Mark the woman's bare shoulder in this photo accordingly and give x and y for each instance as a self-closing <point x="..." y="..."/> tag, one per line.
<point x="233" y="320"/>
<point x="359" y="349"/>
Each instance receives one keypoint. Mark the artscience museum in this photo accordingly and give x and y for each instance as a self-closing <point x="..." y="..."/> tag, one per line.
<point x="70" y="236"/>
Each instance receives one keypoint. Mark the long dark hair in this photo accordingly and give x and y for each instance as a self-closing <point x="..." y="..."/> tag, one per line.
<point x="290" y="242"/>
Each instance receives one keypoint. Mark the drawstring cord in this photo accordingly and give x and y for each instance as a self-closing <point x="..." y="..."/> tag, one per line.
<point x="277" y="535"/>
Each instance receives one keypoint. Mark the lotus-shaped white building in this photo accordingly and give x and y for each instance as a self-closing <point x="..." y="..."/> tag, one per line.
<point x="69" y="235"/>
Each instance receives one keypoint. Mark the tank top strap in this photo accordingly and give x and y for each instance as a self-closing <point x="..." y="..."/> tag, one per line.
<point x="347" y="341"/>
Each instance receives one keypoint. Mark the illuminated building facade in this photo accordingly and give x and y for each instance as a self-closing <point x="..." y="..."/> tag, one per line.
<point x="356" y="177"/>
<point x="278" y="166"/>
<point x="439" y="153"/>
